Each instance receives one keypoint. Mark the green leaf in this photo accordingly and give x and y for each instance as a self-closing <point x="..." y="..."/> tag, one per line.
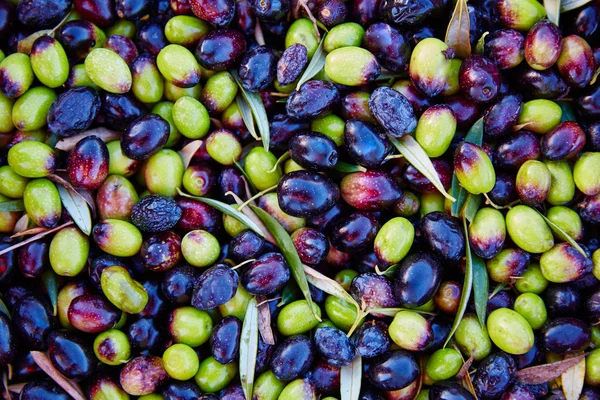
<point x="24" y="46"/>
<point x="246" y="115"/>
<point x="3" y="308"/>
<point x="12" y="205"/>
<point x="568" y="5"/>
<point x="568" y="114"/>
<point x="475" y="136"/>
<point x="459" y="30"/>
<point x="466" y="292"/>
<point x="77" y="208"/>
<point x="552" y="10"/>
<point x="480" y="287"/>
<point x="249" y="348"/>
<point x="472" y="206"/>
<point x="328" y="285"/>
<point x="499" y="287"/>
<point x="348" y="168"/>
<point x="316" y="64"/>
<point x="479" y="49"/>
<point x="284" y="241"/>
<point x="351" y="379"/>
<point x="414" y="154"/>
<point x="50" y="280"/>
<point x="259" y="113"/>
<point x="562" y="234"/>
<point x="226" y="209"/>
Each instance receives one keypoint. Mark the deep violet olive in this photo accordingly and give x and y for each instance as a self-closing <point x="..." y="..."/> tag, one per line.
<point x="354" y="232"/>
<point x="266" y="275"/>
<point x="393" y="371"/>
<point x="306" y="194"/>
<point x="71" y="355"/>
<point x="366" y="143"/>
<point x="443" y="236"/>
<point x="334" y="346"/>
<point x="217" y="285"/>
<point x="178" y="284"/>
<point x="225" y="339"/>
<point x="566" y="334"/>
<point x="417" y="279"/>
<point x="313" y="150"/>
<point x="32" y="320"/>
<point x="292" y="358"/>
<point x="493" y="375"/>
<point x="372" y="339"/>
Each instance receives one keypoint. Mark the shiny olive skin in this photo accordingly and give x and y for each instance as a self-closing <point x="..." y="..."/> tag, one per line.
<point x="306" y="194"/>
<point x="8" y="340"/>
<point x="493" y="375"/>
<point x="225" y="339"/>
<point x="366" y="143"/>
<point x="92" y="313"/>
<point x="43" y="389"/>
<point x="313" y="150"/>
<point x="334" y="346"/>
<point x="257" y="68"/>
<point x="393" y="370"/>
<point x="33" y="320"/>
<point x="220" y="49"/>
<point x="372" y="190"/>
<point x="566" y="334"/>
<point x="417" y="279"/>
<point x="564" y="141"/>
<point x="444" y="236"/>
<point x="292" y="358"/>
<point x="314" y="98"/>
<point x="268" y="274"/>
<point x="87" y="164"/>
<point x="502" y="116"/>
<point x="447" y="390"/>
<point x="372" y="339"/>
<point x="512" y="152"/>
<point x="71" y="355"/>
<point x="373" y="291"/>
<point x="479" y="78"/>
<point x="216" y="286"/>
<point x="354" y="232"/>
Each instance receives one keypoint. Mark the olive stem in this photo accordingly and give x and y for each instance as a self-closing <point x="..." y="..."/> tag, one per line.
<point x="36" y="237"/>
<point x="281" y="159"/>
<point x="489" y="201"/>
<point x="394" y="157"/>
<point x="258" y="34"/>
<point x="278" y="94"/>
<point x="265" y="301"/>
<point x="310" y="15"/>
<point x="256" y="196"/>
<point x="243" y="263"/>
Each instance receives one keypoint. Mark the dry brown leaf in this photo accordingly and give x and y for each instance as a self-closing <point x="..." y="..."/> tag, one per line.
<point x="264" y="321"/>
<point x="187" y="153"/>
<point x="464" y="370"/>
<point x="104" y="134"/>
<point x="16" y="387"/>
<point x="22" y="224"/>
<point x="459" y="30"/>
<point x="573" y="378"/>
<point x="68" y="385"/>
<point x="547" y="372"/>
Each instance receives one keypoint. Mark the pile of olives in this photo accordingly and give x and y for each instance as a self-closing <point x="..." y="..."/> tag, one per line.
<point x="299" y="199"/>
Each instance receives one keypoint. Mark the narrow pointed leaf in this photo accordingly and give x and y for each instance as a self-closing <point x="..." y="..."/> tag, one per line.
<point x="595" y="77"/>
<point x="568" y="114"/>
<point x="187" y="153"/>
<point x="348" y="168"/>
<point x="480" y="47"/>
<point x="472" y="205"/>
<point x="284" y="241"/>
<point x="315" y="65"/>
<point x="414" y="154"/>
<point x="226" y="209"/>
<point x="459" y="29"/>
<point x="480" y="287"/>
<point x="552" y="10"/>
<point x="264" y="321"/>
<point x="562" y="234"/>
<point x="68" y="385"/>
<point x="547" y="372"/>
<point x="247" y="116"/>
<point x="50" y="280"/>
<point x="568" y="5"/>
<point x="77" y="208"/>
<point x="572" y="380"/>
<point x="328" y="285"/>
<point x="12" y="205"/>
<point x="499" y="287"/>
<point x="391" y="312"/>
<point x="466" y="292"/>
<point x="475" y="134"/>
<point x="249" y="348"/>
<point x="259" y="113"/>
<point x="351" y="379"/>
<point x="104" y="134"/>
<point x="3" y="308"/>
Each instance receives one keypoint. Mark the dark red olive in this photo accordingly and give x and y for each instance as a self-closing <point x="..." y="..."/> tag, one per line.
<point x="417" y="279"/>
<point x="512" y="152"/>
<point x="120" y="110"/>
<point x="499" y="119"/>
<point x="71" y="355"/>
<point x="305" y="194"/>
<point x="257" y="68"/>
<point x="73" y="111"/>
<point x="230" y="180"/>
<point x="389" y="46"/>
<point x="87" y="164"/>
<point x="198" y="215"/>
<point x="218" y="13"/>
<point x="564" y="141"/>
<point x="225" y="339"/>
<point x="325" y="377"/>
<point x="479" y="79"/>
<point x="78" y="38"/>
<point x="33" y="258"/>
<point x="314" y="98"/>
<point x="92" y="313"/>
<point x="123" y="46"/>
<point x="292" y="358"/>
<point x="534" y="84"/>
<point x="565" y="335"/>
<point x="268" y="274"/>
<point x="372" y="339"/>
<point x="416" y="98"/>
<point x="373" y="291"/>
<point x="144" y="137"/>
<point x="355" y="105"/>
<point x="354" y="232"/>
<point x="161" y="251"/>
<point x="393" y="371"/>
<point x="99" y="12"/>
<point x="244" y="16"/>
<point x="178" y="284"/>
<point x="217" y="285"/>
<point x="220" y="49"/>
<point x="366" y="143"/>
<point x="32" y="320"/>
<point x="543" y="44"/>
<point x="444" y="236"/>
<point x="576" y="62"/>
<point x="312" y="245"/>
<point x="465" y="111"/>
<point x="181" y="7"/>
<point x="419" y="183"/>
<point x="143" y="374"/>
<point x="370" y="190"/>
<point x="313" y="150"/>
<point x="493" y="375"/>
<point x="505" y="48"/>
<point x="447" y="298"/>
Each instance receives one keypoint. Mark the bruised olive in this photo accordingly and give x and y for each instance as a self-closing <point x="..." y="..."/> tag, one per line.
<point x="216" y="286"/>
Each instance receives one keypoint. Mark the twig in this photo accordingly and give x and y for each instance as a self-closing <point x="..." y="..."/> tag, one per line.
<point x="68" y="385"/>
<point x="258" y="33"/>
<point x="34" y="238"/>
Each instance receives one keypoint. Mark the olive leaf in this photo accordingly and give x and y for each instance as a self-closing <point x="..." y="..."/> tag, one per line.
<point x="40" y="235"/>
<point x="104" y="134"/>
<point x="3" y="308"/>
<point x="459" y="30"/>
<point x="351" y="379"/>
<point x="247" y="115"/>
<point x="475" y="136"/>
<point x="328" y="285"/>
<point x="284" y="241"/>
<point x="499" y="287"/>
<point x="568" y="5"/>
<point x="315" y="65"/>
<point x="50" y="280"/>
<point x="414" y="154"/>
<point x="471" y="207"/>
<point x="595" y="77"/>
<point x="12" y="205"/>
<point x="562" y="234"/>
<point x="77" y="208"/>
<point x="568" y="114"/>
<point x="249" y="348"/>
<point x="24" y="46"/>
<point x="259" y="113"/>
<point x="16" y="387"/>
<point x="226" y="209"/>
<point x="348" y="168"/>
<point x="572" y="380"/>
<point x="264" y="320"/>
<point x="466" y="290"/>
<point x="22" y="224"/>
<point x="480" y="47"/>
<point x="68" y="385"/>
<point x="552" y="10"/>
<point x="480" y="287"/>
<point x="547" y="372"/>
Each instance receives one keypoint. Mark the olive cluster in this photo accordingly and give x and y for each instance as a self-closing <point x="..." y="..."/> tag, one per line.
<point x="299" y="199"/>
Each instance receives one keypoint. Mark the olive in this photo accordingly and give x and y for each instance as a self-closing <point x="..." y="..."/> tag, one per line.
<point x="417" y="279"/>
<point x="494" y="375"/>
<point x="292" y="358"/>
<point x="32" y="320"/>
<point x="71" y="355"/>
<point x="566" y="334"/>
<point x="394" y="370"/>
<point x="225" y="340"/>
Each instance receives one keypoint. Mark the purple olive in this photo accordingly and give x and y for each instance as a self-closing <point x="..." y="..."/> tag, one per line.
<point x="373" y="291"/>
<point x="71" y="355"/>
<point x="354" y="232"/>
<point x="225" y="339"/>
<point x="32" y="320"/>
<point x="499" y="119"/>
<point x="334" y="346"/>
<point x="306" y="194"/>
<point x="389" y="46"/>
<point x="565" y="335"/>
<point x="268" y="274"/>
<point x="505" y="47"/>
<point x="314" y="98"/>
<point x="512" y="152"/>
<point x="543" y="45"/>
<point x="92" y="313"/>
<point x="218" y="13"/>
<point x="564" y="141"/>
<point x="370" y="190"/>
<point x="417" y="279"/>
<point x="479" y="79"/>
<point x="393" y="371"/>
<point x="393" y="111"/>
<point x="292" y="358"/>
<point x="312" y="245"/>
<point x="217" y="285"/>
<point x="444" y="236"/>
<point x="313" y="150"/>
<point x="87" y="164"/>
<point x="220" y="49"/>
